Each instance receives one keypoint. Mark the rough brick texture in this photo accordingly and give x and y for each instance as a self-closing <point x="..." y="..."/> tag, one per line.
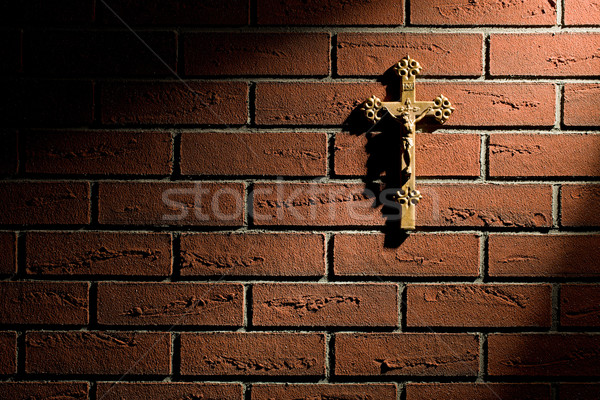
<point x="410" y="354"/>
<point x="169" y="304"/>
<point x="98" y="353"/>
<point x="194" y="206"/>
<point x="479" y="305"/>
<point x="288" y="304"/>
<point x="252" y="255"/>
<point x="253" y="354"/>
<point x="277" y="154"/>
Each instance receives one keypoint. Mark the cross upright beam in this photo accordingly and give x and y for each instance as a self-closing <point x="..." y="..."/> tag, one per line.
<point x="408" y="111"/>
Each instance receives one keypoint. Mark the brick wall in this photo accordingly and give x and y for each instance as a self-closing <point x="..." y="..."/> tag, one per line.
<point x="189" y="211"/>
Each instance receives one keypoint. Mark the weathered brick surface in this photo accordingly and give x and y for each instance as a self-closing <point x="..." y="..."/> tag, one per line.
<point x="35" y="303"/>
<point x="543" y="354"/>
<point x="371" y="54"/>
<point x="34" y="203"/>
<point x="158" y="203"/>
<point x="8" y="353"/>
<point x="98" y="152"/>
<point x="486" y="12"/>
<point x="277" y="154"/>
<point x="579" y="107"/>
<point x="180" y="12"/>
<point x="9" y="156"/>
<point x="251" y="54"/>
<point x="439" y="154"/>
<point x="579" y="391"/>
<point x="316" y="304"/>
<point x="253" y="354"/>
<point x="579" y="305"/>
<point x="331" y="12"/>
<point x="46" y="390"/>
<point x="582" y="12"/>
<point x="8" y="253"/>
<point x="567" y="54"/>
<point x="580" y="205"/>
<point x="42" y="103"/>
<point x="323" y="391"/>
<point x="98" y="253"/>
<point x="168" y="390"/>
<point x="543" y="255"/>
<point x="408" y="354"/>
<point x="249" y="255"/>
<point x="197" y="304"/>
<point x="101" y="53"/>
<point x="479" y="391"/>
<point x="190" y="102"/>
<point x="98" y="353"/>
<point x="477" y="305"/>
<point x="544" y="155"/>
<point x="419" y="255"/>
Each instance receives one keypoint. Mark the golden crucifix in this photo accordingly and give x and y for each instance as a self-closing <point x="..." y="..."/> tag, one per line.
<point x="409" y="112"/>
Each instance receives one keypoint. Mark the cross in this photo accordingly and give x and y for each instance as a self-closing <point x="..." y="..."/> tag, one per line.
<point x="408" y="112"/>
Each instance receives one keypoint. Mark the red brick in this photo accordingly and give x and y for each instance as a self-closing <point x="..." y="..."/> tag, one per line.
<point x="546" y="54"/>
<point x="98" y="254"/>
<point x="9" y="156"/>
<point x="439" y="154"/>
<point x="544" y="255"/>
<point x="8" y="253"/>
<point x="579" y="305"/>
<point x="477" y="305"/>
<point x="280" y="254"/>
<point x="44" y="12"/>
<point x="47" y="103"/>
<point x="544" y="155"/>
<point x="36" y="303"/>
<point x="582" y="12"/>
<point x="495" y="104"/>
<point x="44" y="390"/>
<point x="314" y="12"/>
<point x="580" y="105"/>
<point x="580" y="205"/>
<point x="257" y="153"/>
<point x="543" y="354"/>
<point x="371" y="54"/>
<point x="324" y="304"/>
<point x="10" y="43"/>
<point x="485" y="12"/>
<point x="407" y="354"/>
<point x="8" y="353"/>
<point x="310" y="103"/>
<point x="98" y="353"/>
<point x="310" y="204"/>
<point x="168" y="390"/>
<point x="32" y="203"/>
<point x="579" y="391"/>
<point x="256" y="54"/>
<point x="417" y="256"/>
<point x="219" y="103"/>
<point x="99" y="53"/>
<point x="479" y="391"/>
<point x="98" y="152"/>
<point x="197" y="304"/>
<point x="158" y="203"/>
<point x="180" y="12"/>
<point x="323" y="391"/>
<point x="477" y="104"/>
<point x="253" y="354"/>
<point x="485" y="205"/>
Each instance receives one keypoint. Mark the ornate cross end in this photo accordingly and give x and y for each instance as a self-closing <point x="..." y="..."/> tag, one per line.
<point x="408" y="111"/>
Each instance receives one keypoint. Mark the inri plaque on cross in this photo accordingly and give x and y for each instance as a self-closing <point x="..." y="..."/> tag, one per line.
<point x="408" y="111"/>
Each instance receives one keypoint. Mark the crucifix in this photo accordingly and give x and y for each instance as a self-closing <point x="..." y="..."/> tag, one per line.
<point x="408" y="111"/>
